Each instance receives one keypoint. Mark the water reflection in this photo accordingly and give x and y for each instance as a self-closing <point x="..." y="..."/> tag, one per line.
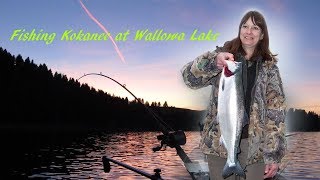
<point x="81" y="159"/>
<point x="304" y="156"/>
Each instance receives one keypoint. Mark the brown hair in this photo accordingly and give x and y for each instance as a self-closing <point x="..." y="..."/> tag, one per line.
<point x="262" y="49"/>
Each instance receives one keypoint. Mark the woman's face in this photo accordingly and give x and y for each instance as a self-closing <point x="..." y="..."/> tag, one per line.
<point x="250" y="34"/>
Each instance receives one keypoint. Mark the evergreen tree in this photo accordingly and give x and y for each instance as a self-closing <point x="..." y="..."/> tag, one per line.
<point x="165" y="104"/>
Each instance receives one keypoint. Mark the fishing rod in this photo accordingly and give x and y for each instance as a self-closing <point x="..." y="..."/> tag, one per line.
<point x="169" y="137"/>
<point x="163" y="125"/>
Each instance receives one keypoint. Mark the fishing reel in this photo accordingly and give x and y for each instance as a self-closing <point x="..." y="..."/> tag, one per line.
<point x="172" y="139"/>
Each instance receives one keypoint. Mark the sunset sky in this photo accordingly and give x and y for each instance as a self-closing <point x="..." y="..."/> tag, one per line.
<point x="152" y="68"/>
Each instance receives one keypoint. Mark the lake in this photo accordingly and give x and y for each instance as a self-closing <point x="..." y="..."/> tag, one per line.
<point x="81" y="157"/>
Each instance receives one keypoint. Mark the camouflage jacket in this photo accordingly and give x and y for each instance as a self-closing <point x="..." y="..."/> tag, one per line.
<point x="267" y="111"/>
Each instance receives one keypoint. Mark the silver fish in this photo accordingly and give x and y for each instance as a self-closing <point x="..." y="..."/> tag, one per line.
<point x="231" y="112"/>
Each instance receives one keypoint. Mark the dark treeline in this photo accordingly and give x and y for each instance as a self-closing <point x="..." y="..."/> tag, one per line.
<point x="35" y="98"/>
<point x="300" y="120"/>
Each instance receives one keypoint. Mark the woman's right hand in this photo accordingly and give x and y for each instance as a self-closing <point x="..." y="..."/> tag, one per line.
<point x="221" y="59"/>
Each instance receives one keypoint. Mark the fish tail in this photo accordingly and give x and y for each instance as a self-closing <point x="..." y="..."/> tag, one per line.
<point x="236" y="169"/>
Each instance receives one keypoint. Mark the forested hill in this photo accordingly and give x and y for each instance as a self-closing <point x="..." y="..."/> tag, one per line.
<point x="35" y="98"/>
<point x="300" y="120"/>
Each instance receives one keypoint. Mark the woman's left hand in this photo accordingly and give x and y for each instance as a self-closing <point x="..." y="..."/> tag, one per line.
<point x="270" y="170"/>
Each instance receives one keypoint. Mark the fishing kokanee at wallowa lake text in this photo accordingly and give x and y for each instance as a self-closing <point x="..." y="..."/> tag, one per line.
<point x="24" y="35"/>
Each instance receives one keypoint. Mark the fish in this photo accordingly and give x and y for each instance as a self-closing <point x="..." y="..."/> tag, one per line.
<point x="231" y="111"/>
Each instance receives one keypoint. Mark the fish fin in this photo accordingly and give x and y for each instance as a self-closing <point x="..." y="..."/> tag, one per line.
<point x="229" y="170"/>
<point x="239" y="171"/>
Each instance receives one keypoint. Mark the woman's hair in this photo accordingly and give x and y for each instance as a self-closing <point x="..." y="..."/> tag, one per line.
<point x="262" y="49"/>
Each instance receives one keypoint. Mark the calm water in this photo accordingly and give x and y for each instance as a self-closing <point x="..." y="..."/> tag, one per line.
<point x="81" y="159"/>
<point x="304" y="156"/>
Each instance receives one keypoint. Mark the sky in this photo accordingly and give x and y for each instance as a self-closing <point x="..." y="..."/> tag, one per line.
<point x="151" y="69"/>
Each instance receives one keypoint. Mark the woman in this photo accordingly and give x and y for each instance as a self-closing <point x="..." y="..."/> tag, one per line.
<point x="263" y="141"/>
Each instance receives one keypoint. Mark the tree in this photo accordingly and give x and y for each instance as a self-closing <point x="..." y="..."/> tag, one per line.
<point x="165" y="104"/>
<point x="126" y="100"/>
